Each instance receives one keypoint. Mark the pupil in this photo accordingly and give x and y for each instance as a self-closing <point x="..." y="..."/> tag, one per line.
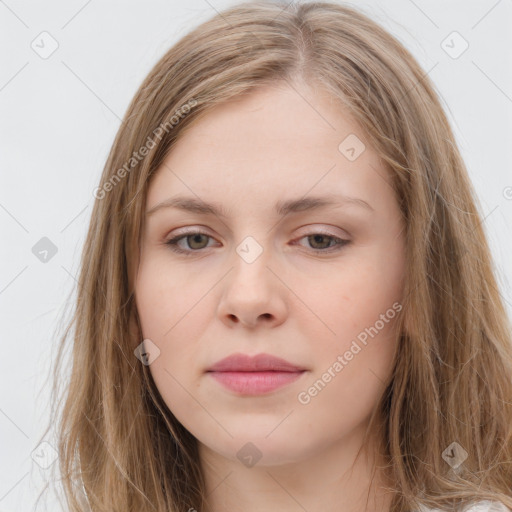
<point x="316" y="237"/>
<point x="194" y="239"/>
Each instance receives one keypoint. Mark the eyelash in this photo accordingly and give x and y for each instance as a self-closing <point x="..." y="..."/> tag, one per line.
<point x="173" y="243"/>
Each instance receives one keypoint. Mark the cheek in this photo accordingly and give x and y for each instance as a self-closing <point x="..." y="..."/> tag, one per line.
<point x="353" y="297"/>
<point x="353" y="362"/>
<point x="170" y="317"/>
<point x="164" y="295"/>
<point x="355" y="317"/>
<point x="171" y="311"/>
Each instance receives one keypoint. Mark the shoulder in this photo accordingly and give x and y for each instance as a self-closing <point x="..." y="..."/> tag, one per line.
<point x="486" y="506"/>
<point x="479" y="506"/>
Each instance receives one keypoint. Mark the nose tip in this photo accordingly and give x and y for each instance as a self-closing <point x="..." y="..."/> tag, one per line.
<point x="252" y="291"/>
<point x="245" y="319"/>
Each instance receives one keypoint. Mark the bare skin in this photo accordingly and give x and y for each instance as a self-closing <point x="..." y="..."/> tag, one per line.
<point x="293" y="301"/>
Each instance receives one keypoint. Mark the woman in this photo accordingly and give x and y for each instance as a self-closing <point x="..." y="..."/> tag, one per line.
<point x="264" y="369"/>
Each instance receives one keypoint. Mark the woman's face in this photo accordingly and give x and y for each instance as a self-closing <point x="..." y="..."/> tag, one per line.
<point x="275" y="272"/>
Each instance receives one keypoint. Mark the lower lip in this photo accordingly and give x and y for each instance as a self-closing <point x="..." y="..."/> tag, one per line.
<point x="255" y="383"/>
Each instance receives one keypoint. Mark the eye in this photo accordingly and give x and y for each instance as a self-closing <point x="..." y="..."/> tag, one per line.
<point x="321" y="241"/>
<point x="195" y="241"/>
<point x="195" y="236"/>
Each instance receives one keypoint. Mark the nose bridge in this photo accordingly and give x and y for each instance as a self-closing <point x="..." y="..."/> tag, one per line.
<point x="252" y="279"/>
<point x="250" y="260"/>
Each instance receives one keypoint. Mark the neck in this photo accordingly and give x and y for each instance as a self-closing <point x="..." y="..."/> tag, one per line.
<point x="332" y="479"/>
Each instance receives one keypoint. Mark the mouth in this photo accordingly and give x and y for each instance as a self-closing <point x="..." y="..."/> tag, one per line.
<point x="255" y="383"/>
<point x="254" y="375"/>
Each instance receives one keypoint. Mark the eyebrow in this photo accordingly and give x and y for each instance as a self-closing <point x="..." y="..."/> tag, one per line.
<point x="282" y="208"/>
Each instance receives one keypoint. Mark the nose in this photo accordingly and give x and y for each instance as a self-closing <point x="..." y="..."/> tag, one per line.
<point x="253" y="293"/>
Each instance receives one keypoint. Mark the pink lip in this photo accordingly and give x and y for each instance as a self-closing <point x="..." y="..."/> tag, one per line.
<point x="254" y="375"/>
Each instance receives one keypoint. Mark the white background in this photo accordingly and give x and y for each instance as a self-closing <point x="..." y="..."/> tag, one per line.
<point x="58" y="118"/>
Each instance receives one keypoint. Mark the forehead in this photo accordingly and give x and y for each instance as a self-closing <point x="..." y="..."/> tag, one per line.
<point x="273" y="143"/>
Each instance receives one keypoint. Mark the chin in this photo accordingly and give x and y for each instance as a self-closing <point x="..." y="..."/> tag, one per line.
<point x="257" y="450"/>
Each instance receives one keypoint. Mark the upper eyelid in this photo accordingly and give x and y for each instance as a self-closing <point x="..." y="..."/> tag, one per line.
<point x="311" y="230"/>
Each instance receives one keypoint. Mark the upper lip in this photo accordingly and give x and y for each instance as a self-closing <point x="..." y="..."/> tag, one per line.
<point x="259" y="362"/>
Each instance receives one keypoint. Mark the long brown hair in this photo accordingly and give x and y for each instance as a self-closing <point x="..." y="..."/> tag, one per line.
<point x="120" y="448"/>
